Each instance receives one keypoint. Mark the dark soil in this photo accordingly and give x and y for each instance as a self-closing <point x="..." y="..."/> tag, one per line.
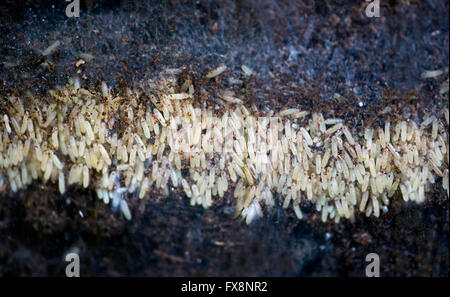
<point x="303" y="53"/>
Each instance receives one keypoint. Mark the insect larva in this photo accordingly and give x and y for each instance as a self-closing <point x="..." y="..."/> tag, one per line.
<point x="49" y="50"/>
<point x="195" y="191"/>
<point x="217" y="71"/>
<point x="179" y="96"/>
<point x="365" y="183"/>
<point x="212" y="175"/>
<point x="435" y="167"/>
<point x="348" y="161"/>
<point x="73" y="175"/>
<point x="50" y="119"/>
<point x="434" y="129"/>
<point x="141" y="154"/>
<point x="284" y="146"/>
<point x="345" y="208"/>
<point x="104" y="154"/>
<point x="393" y="188"/>
<point x="318" y="164"/>
<point x="18" y="181"/>
<point x="89" y="132"/>
<point x="48" y="170"/>
<point x="24" y="174"/>
<point x="368" y="134"/>
<point x="30" y="126"/>
<point x="289" y="111"/>
<point x="397" y="132"/>
<point x="208" y="201"/>
<point x="363" y="203"/>
<point x="338" y="207"/>
<point x="143" y="188"/>
<point x="392" y="150"/>
<point x="61" y="182"/>
<point x="445" y="184"/>
<point x="55" y="140"/>
<point x="238" y="170"/>
<point x="160" y="117"/>
<point x="300" y="114"/>
<point x="345" y="170"/>
<point x="281" y="182"/>
<point x="309" y="193"/>
<point x="15" y="125"/>
<point x="403" y="131"/>
<point x="124" y="153"/>
<point x="325" y="159"/>
<point x="334" y="149"/>
<point x="85" y="177"/>
<point x="38" y="151"/>
<point x="307" y="136"/>
<point x="108" y="182"/>
<point x="339" y="166"/>
<point x="196" y="133"/>
<point x="249" y="194"/>
<point x="114" y="141"/>
<point x="146" y="129"/>
<point x="102" y="133"/>
<point x="221" y="187"/>
<point x="174" y="178"/>
<point x="348" y="135"/>
<point x="56" y="161"/>
<point x="73" y="147"/>
<point x="232" y="173"/>
<point x="287" y="200"/>
<point x="431" y="73"/>
<point x="13" y="185"/>
<point x="248" y="175"/>
<point x="334" y="128"/>
<point x="19" y="151"/>
<point x="372" y="167"/>
<point x="6" y="120"/>
<point x="186" y="187"/>
<point x="23" y="127"/>
<point x="133" y="152"/>
<point x="322" y="126"/>
<point x="125" y="210"/>
<point x="373" y="186"/>
<point x="247" y="71"/>
<point x="333" y="121"/>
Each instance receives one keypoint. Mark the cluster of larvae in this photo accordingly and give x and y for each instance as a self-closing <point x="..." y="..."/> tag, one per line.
<point x="158" y="136"/>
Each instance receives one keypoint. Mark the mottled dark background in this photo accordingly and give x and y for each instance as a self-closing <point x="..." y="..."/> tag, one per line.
<point x="303" y="52"/>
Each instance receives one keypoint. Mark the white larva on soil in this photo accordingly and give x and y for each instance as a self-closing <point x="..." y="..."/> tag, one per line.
<point x="56" y="161"/>
<point x="61" y="182"/>
<point x="340" y="169"/>
<point x="431" y="73"/>
<point x="179" y="96"/>
<point x="333" y="121"/>
<point x="49" y="50"/>
<point x="125" y="210"/>
<point x="247" y="71"/>
<point x="289" y="111"/>
<point x="6" y="120"/>
<point x="85" y="175"/>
